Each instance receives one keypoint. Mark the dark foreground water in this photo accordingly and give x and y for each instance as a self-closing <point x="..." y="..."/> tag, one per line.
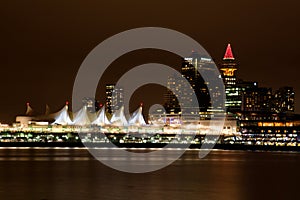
<point x="74" y="174"/>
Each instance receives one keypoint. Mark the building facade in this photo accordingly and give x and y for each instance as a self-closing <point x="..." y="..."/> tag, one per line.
<point x="257" y="99"/>
<point x="241" y="96"/>
<point x="114" y="98"/>
<point x="184" y="90"/>
<point x="284" y="100"/>
<point x="233" y="91"/>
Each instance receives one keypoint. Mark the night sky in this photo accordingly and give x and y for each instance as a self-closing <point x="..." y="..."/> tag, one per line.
<point x="43" y="43"/>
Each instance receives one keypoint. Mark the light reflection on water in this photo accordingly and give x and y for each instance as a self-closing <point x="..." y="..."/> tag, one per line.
<point x="44" y="159"/>
<point x="72" y="173"/>
<point x="81" y="154"/>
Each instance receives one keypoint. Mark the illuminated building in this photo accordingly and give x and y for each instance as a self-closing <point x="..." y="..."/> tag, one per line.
<point x="189" y="71"/>
<point x="256" y="99"/>
<point x="255" y="116"/>
<point x="242" y="95"/>
<point x="228" y="67"/>
<point x="233" y="91"/>
<point x="284" y="100"/>
<point x="101" y="118"/>
<point x="276" y="129"/>
<point x="24" y="120"/>
<point x="114" y="98"/>
<point x="91" y="104"/>
<point x="62" y="117"/>
<point x="171" y="102"/>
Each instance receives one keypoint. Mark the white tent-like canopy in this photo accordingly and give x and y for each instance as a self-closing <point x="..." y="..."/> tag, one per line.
<point x="81" y="118"/>
<point x="101" y="118"/>
<point x="137" y="118"/>
<point x="47" y="111"/>
<point x="119" y="118"/>
<point x="62" y="117"/>
<point x="29" y="110"/>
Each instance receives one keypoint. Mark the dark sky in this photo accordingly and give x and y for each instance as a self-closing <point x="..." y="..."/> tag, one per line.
<point x="43" y="43"/>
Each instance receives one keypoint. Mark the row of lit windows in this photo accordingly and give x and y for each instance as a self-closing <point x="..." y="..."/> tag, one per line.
<point x="230" y="79"/>
<point x="275" y="124"/>
<point x="231" y="83"/>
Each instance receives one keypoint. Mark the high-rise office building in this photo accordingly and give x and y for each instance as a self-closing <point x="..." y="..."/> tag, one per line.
<point x="256" y="99"/>
<point x="233" y="90"/>
<point x="171" y="102"/>
<point x="189" y="70"/>
<point x="114" y="98"/>
<point x="91" y="104"/>
<point x="196" y="84"/>
<point x="228" y="67"/>
<point x="241" y="96"/>
<point x="284" y="100"/>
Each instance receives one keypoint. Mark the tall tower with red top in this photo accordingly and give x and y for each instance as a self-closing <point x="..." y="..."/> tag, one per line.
<point x="233" y="91"/>
<point x="228" y="67"/>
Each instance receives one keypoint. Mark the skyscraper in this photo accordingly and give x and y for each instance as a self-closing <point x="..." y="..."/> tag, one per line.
<point x="171" y="102"/>
<point x="114" y="98"/>
<point x="233" y="91"/>
<point x="241" y="96"/>
<point x="92" y="105"/>
<point x="284" y="100"/>
<point x="256" y="99"/>
<point x="228" y="67"/>
<point x="189" y="71"/>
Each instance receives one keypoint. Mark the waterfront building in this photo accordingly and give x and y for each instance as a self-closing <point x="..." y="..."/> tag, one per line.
<point x="24" y="120"/>
<point x="118" y="118"/>
<point x="257" y="116"/>
<point x="276" y="129"/>
<point x="29" y="110"/>
<point x="101" y="118"/>
<point x="31" y="118"/>
<point x="137" y="117"/>
<point x="82" y="117"/>
<point x="62" y="117"/>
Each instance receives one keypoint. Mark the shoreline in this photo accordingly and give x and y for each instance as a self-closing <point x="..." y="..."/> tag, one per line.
<point x="150" y="145"/>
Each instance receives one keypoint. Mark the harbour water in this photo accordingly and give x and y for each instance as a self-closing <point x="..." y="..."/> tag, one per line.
<point x="72" y="173"/>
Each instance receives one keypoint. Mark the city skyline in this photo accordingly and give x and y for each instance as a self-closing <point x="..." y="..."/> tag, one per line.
<point x="41" y="55"/>
<point x="228" y="58"/>
<point x="59" y="140"/>
<point x="242" y="97"/>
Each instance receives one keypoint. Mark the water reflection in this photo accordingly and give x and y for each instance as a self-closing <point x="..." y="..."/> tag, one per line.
<point x="61" y="173"/>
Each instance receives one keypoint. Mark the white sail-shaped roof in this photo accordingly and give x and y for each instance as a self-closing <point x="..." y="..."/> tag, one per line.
<point x="29" y="110"/>
<point x="101" y="118"/>
<point x="62" y="117"/>
<point x="119" y="118"/>
<point x="81" y="118"/>
<point x="47" y="111"/>
<point x="137" y="118"/>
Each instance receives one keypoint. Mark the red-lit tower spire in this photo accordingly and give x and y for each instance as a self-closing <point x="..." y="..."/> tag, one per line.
<point x="228" y="53"/>
<point x="229" y="67"/>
